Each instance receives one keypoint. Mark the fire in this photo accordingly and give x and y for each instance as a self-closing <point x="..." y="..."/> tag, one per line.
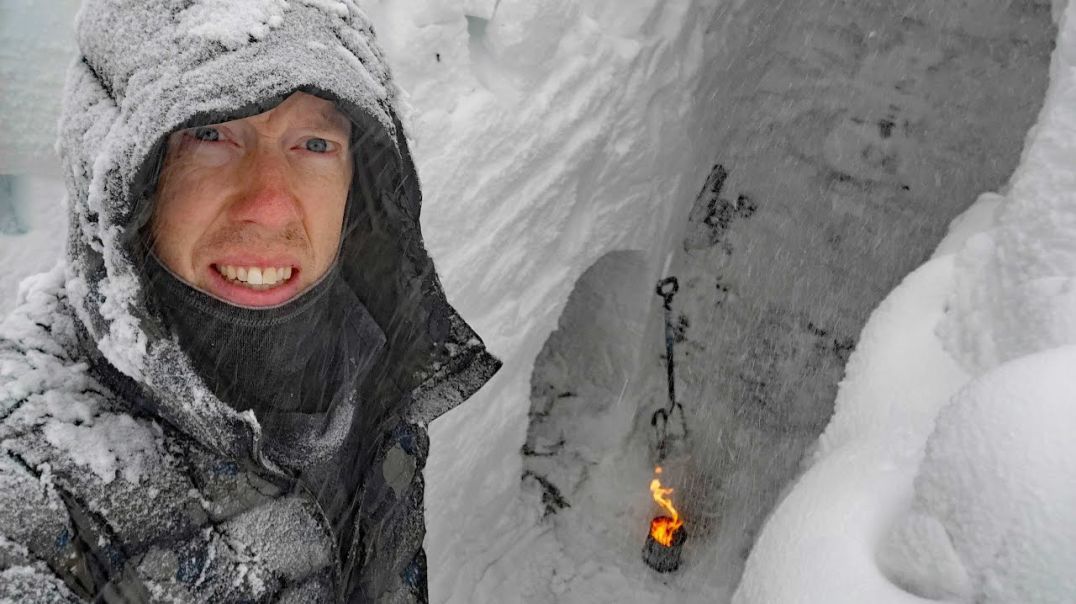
<point x="664" y="527"/>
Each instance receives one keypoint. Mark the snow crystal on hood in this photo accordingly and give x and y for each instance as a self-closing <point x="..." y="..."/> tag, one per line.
<point x="232" y="23"/>
<point x="125" y="342"/>
<point x="332" y="7"/>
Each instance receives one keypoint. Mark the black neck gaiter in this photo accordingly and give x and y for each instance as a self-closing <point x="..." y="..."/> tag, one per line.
<point x="297" y="366"/>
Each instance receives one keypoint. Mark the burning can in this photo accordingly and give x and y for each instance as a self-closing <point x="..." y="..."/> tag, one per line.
<point x="667" y="534"/>
<point x="659" y="556"/>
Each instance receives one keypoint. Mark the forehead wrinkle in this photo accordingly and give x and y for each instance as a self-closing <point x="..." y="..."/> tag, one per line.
<point x="320" y="114"/>
<point x="332" y="118"/>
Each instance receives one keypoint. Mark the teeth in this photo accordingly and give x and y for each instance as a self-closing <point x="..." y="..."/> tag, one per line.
<point x="256" y="277"/>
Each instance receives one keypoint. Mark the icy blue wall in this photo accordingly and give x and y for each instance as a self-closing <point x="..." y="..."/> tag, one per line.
<point x="36" y="44"/>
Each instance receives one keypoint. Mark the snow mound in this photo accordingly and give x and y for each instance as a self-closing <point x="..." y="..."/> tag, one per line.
<point x="995" y="495"/>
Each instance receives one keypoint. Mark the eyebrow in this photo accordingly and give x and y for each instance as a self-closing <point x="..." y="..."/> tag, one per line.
<point x="332" y="118"/>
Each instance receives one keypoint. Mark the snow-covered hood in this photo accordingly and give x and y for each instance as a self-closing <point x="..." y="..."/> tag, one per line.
<point x="148" y="67"/>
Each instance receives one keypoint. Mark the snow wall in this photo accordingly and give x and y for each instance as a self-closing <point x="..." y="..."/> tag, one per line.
<point x="948" y="472"/>
<point x="789" y="165"/>
<point x="848" y="136"/>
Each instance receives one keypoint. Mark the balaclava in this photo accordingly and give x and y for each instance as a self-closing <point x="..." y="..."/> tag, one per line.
<point x="297" y="366"/>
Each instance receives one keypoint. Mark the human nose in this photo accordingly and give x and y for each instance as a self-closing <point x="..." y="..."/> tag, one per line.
<point x="267" y="197"/>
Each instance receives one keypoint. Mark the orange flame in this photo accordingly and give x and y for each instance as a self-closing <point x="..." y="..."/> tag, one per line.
<point x="663" y="528"/>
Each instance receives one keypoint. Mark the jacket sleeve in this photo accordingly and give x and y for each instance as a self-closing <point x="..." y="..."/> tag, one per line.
<point x="24" y="579"/>
<point x="387" y="553"/>
<point x="33" y="526"/>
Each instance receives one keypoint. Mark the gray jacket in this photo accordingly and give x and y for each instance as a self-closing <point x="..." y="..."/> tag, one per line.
<point x="122" y="476"/>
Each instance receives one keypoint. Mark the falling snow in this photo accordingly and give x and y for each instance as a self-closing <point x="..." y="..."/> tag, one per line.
<point x="794" y="168"/>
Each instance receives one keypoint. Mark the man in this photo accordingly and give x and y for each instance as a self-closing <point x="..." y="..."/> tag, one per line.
<point x="222" y="393"/>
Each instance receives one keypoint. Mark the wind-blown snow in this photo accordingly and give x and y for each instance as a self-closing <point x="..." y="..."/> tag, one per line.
<point x="33" y="246"/>
<point x="523" y="114"/>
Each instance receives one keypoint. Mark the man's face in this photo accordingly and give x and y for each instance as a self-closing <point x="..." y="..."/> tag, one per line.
<point x="251" y="210"/>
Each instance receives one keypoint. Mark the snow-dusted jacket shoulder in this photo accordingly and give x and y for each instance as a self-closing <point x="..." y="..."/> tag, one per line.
<point x="123" y="478"/>
<point x="100" y="501"/>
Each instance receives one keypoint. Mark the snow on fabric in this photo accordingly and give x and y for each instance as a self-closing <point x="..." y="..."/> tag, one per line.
<point x="231" y="23"/>
<point x="108" y="444"/>
<point x="24" y="580"/>
<point x="57" y="394"/>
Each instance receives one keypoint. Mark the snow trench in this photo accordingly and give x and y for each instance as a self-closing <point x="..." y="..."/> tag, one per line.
<point x="789" y="165"/>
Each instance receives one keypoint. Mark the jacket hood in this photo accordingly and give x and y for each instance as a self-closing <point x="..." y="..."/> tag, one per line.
<point x="149" y="67"/>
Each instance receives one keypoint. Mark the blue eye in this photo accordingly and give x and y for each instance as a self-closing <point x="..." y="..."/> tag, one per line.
<point x="207" y="133"/>
<point x="317" y="145"/>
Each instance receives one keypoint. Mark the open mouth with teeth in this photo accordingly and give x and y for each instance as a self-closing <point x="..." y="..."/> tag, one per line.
<point x="255" y="277"/>
<point x="254" y="283"/>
